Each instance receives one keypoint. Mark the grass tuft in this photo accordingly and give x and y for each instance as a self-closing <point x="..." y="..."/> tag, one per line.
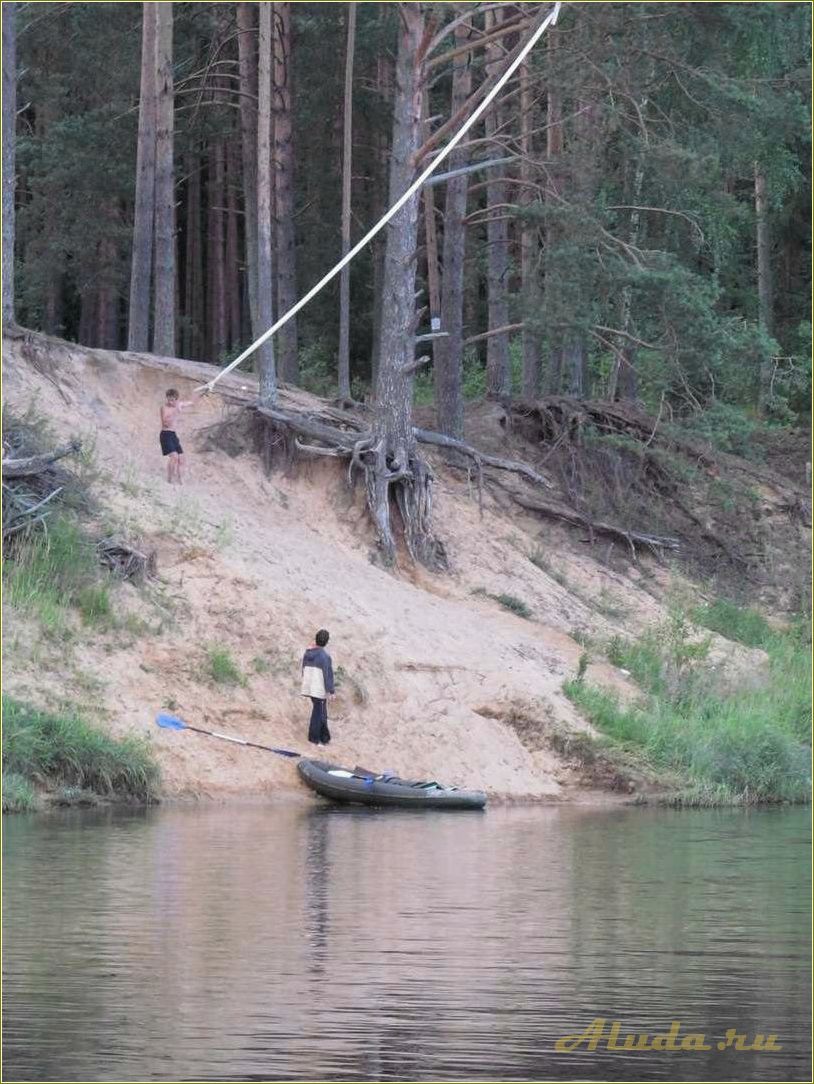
<point x="222" y="668"/>
<point x="735" y="623"/>
<point x="516" y="605"/>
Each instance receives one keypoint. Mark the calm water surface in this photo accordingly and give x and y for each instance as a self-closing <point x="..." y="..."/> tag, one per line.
<point x="285" y="943"/>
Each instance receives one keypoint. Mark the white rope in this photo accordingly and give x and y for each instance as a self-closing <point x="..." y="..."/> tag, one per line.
<point x="550" y="20"/>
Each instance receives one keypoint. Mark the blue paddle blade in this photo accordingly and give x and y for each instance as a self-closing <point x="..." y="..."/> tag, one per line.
<point x="170" y="722"/>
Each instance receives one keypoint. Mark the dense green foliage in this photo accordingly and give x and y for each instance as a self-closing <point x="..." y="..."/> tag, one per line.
<point x="645" y="222"/>
<point x="53" y="750"/>
<point x="750" y="745"/>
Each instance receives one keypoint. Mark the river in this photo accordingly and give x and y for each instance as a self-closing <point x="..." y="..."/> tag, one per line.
<point x="288" y="942"/>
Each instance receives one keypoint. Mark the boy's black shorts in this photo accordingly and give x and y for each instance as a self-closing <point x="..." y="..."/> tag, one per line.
<point x="170" y="442"/>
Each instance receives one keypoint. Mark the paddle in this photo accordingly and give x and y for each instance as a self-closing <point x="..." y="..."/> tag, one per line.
<point x="172" y="722"/>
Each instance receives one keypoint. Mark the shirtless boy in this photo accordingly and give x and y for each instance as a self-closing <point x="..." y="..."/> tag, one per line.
<point x="170" y="444"/>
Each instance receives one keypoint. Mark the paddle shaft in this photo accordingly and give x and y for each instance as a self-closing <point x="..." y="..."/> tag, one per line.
<point x="240" y="741"/>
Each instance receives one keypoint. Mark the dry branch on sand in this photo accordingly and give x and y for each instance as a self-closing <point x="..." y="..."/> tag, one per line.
<point x="125" y="560"/>
<point x="30" y="484"/>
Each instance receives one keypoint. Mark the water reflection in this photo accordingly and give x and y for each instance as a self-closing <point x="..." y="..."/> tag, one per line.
<point x="309" y="943"/>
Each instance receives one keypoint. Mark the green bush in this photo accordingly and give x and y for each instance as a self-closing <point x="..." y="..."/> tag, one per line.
<point x="729" y="428"/>
<point x="64" y="750"/>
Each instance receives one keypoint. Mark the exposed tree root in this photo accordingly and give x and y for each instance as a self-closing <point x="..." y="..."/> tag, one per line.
<point x="389" y="479"/>
<point x="596" y="527"/>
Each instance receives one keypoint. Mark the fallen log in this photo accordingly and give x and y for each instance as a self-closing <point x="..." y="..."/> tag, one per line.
<point x="36" y="464"/>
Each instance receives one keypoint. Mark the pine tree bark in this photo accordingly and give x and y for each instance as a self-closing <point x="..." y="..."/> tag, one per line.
<point x="396" y="467"/>
<point x="347" y="162"/>
<point x="553" y="300"/>
<point x="164" y="278"/>
<point x="529" y="247"/>
<point x="232" y="249"/>
<point x="283" y="188"/>
<point x="215" y="262"/>
<point x="384" y="87"/>
<point x="247" y="68"/>
<point x="765" y="290"/>
<point x="498" y="372"/>
<point x="623" y="383"/>
<point x="193" y="269"/>
<point x="265" y="303"/>
<point x="448" y="354"/>
<point x="138" y="323"/>
<point x="9" y="154"/>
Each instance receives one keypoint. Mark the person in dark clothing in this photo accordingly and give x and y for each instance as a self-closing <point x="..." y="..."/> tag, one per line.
<point x="318" y="684"/>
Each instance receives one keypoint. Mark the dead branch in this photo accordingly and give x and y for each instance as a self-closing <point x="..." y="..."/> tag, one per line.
<point x="125" y="560"/>
<point x="36" y="464"/>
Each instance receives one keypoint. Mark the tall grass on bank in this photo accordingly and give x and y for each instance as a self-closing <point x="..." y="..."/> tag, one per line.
<point x="749" y="747"/>
<point x="56" y="570"/>
<point x="18" y="794"/>
<point x="62" y="750"/>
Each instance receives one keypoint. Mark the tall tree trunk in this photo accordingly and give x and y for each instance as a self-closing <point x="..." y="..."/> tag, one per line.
<point x="9" y="154"/>
<point x="498" y="372"/>
<point x="347" y="161"/>
<point x="623" y="383"/>
<point x="87" y="317"/>
<point x="193" y="272"/>
<point x="215" y="263"/>
<point x="232" y="249"/>
<point x="53" y="311"/>
<point x="448" y="353"/>
<point x="265" y="301"/>
<point x="764" y="281"/>
<point x="553" y="299"/>
<point x="384" y="86"/>
<point x="529" y="247"/>
<point x="283" y="187"/>
<point x="107" y="314"/>
<point x="164" y="279"/>
<point x="396" y="467"/>
<point x="138" y="322"/>
<point x="247" y="67"/>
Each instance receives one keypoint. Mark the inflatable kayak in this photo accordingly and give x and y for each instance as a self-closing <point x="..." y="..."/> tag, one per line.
<point x="368" y="788"/>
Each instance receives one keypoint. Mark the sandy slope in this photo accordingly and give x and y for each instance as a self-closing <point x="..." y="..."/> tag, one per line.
<point x="256" y="565"/>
